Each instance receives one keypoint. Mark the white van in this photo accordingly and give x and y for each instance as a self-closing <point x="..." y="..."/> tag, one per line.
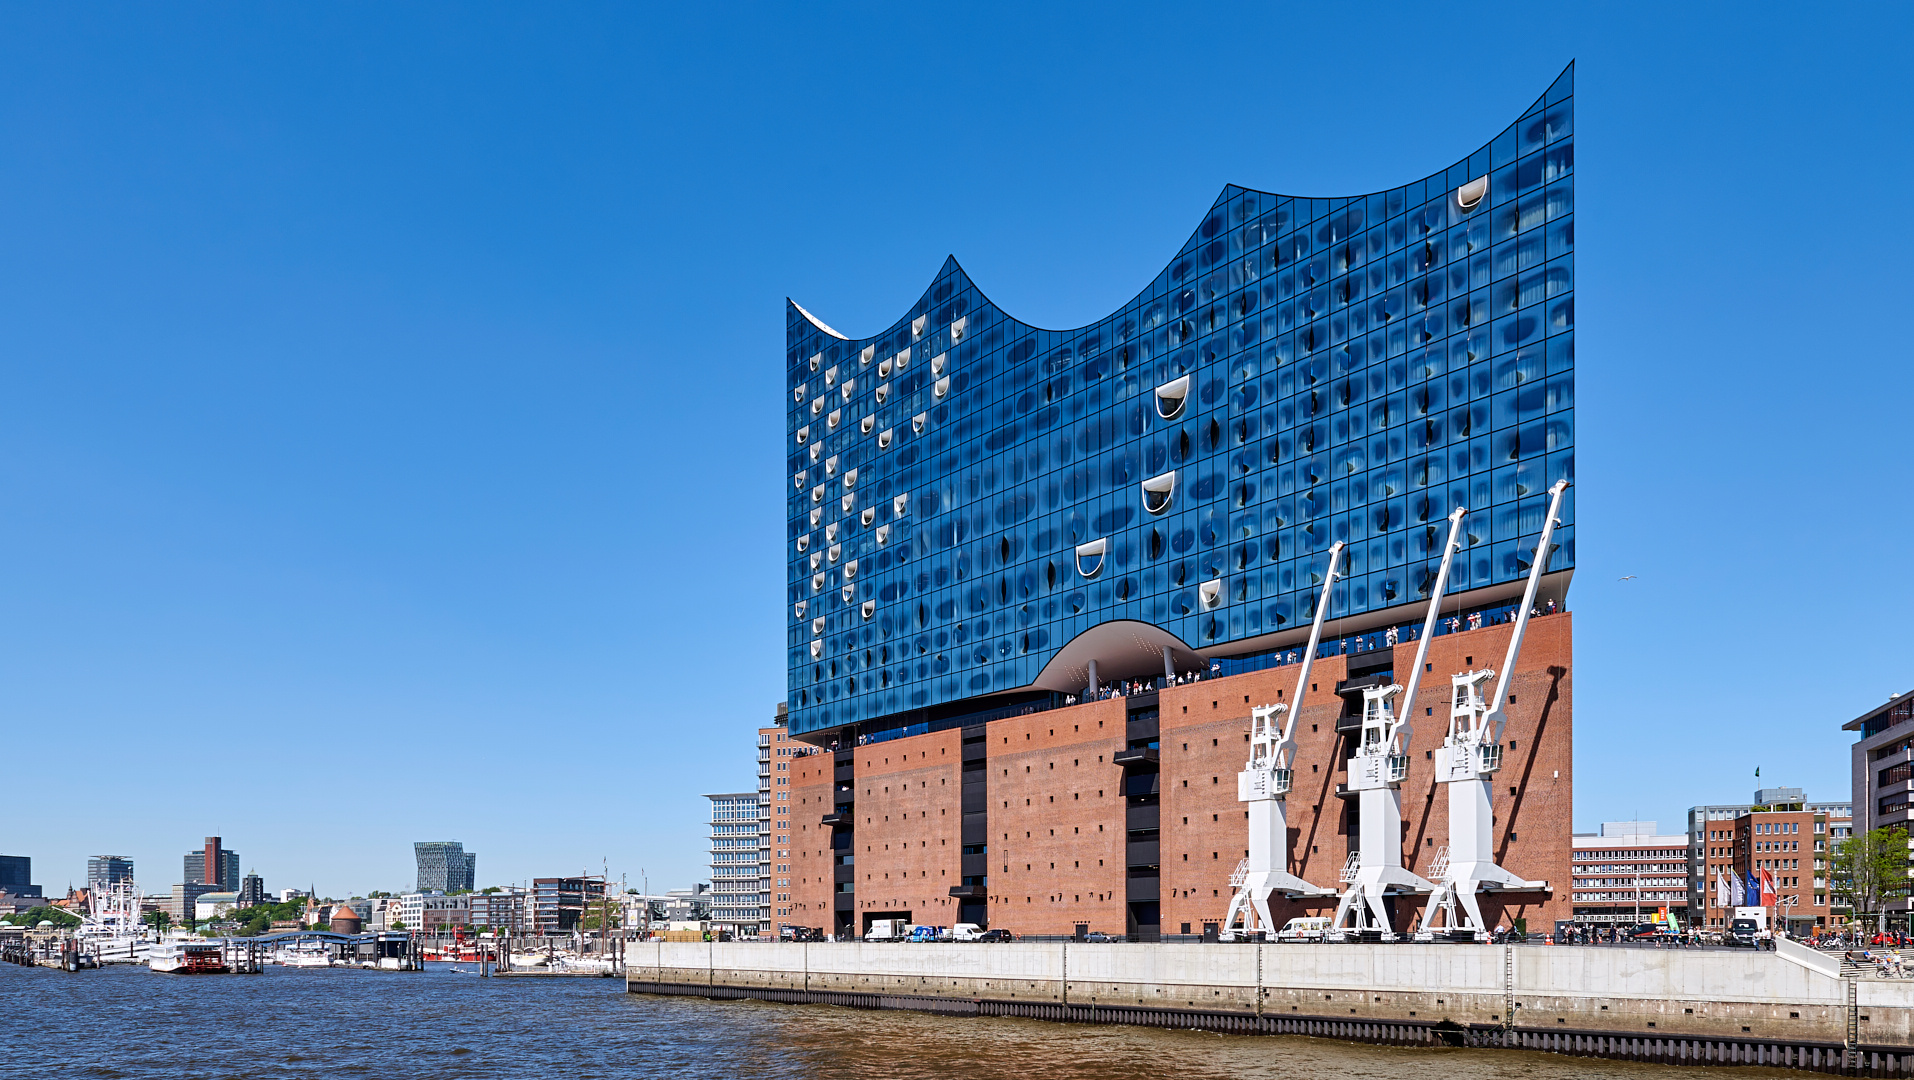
<point x="1305" y="928"/>
<point x="966" y="931"/>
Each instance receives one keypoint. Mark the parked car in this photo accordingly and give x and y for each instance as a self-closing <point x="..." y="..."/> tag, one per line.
<point x="923" y="933"/>
<point x="1305" y="928"/>
<point x="1745" y="933"/>
<point x="994" y="935"/>
<point x="1097" y="935"/>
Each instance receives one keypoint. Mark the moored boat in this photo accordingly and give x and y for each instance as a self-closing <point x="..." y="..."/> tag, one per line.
<point x="189" y="959"/>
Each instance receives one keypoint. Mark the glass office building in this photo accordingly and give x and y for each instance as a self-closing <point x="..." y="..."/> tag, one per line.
<point x="980" y="509"/>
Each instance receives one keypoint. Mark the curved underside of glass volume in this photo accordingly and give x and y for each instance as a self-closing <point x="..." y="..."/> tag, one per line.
<point x="978" y="507"/>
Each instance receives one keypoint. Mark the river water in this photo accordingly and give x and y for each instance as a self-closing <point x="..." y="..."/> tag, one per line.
<point x="439" y="1025"/>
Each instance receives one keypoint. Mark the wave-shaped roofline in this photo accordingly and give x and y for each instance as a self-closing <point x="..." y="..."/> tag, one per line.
<point x="924" y="300"/>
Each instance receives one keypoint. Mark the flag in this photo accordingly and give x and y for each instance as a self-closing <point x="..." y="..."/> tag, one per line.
<point x="1753" y="890"/>
<point x="1768" y="894"/>
<point x="1721" y="888"/>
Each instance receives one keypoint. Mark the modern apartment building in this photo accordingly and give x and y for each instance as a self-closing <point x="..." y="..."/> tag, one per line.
<point x="212" y="865"/>
<point x="1780" y="834"/>
<point x="560" y="904"/>
<point x="508" y="909"/>
<point x="252" y="890"/>
<point x="991" y="527"/>
<point x="433" y="912"/>
<point x="1627" y="872"/>
<point x="736" y="825"/>
<point x="775" y="748"/>
<point x="445" y="866"/>
<point x="105" y="871"/>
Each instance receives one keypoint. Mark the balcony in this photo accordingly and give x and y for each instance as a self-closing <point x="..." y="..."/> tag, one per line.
<point x="841" y="816"/>
<point x="970" y="892"/>
<point x="1141" y="755"/>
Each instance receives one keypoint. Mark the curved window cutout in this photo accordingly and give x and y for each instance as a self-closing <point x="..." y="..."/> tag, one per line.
<point x="850" y="479"/>
<point x="836" y="415"/>
<point x="804" y="433"/>
<point x="804" y="541"/>
<point x="830" y="465"/>
<point x="817" y="494"/>
<point x="883" y="392"/>
<point x="917" y="423"/>
<point x="849" y="387"/>
<point x="830" y="532"/>
<point x="869" y="515"/>
<point x="798" y="394"/>
<point x="900" y="505"/>
<point x="817" y="625"/>
<point x="957" y="328"/>
<point x="816" y="360"/>
<point x="817" y="649"/>
<point x="1472" y="192"/>
<point x="884" y="439"/>
<point x="816" y="515"/>
<point x="836" y="550"/>
<point x="817" y="406"/>
<point x="902" y="359"/>
<point x="917" y="326"/>
<point x="1157" y="491"/>
<point x="850" y="570"/>
<point x="817" y="582"/>
<point x="865" y="356"/>
<point x="884" y="369"/>
<point x="830" y="376"/>
<point x="865" y="425"/>
<point x="800" y="477"/>
<point x="797" y="609"/>
<point x="870" y="608"/>
<point x="937" y="363"/>
<point x="849" y="592"/>
<point x="1210" y="593"/>
<point x="816" y="451"/>
<point x="816" y="559"/>
<point x="1171" y="397"/>
<point x="883" y="534"/>
<point x="1090" y="557"/>
<point x="848" y="503"/>
<point x="942" y="387"/>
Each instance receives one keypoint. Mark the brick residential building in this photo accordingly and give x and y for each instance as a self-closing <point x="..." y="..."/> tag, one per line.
<point x="1780" y="833"/>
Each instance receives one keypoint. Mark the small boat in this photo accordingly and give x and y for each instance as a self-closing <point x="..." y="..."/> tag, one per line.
<point x="189" y="959"/>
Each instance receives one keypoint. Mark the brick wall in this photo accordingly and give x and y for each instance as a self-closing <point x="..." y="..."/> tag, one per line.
<point x="1057" y="812"/>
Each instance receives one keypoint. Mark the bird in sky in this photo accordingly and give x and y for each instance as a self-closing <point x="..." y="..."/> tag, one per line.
<point x="1629" y="577"/>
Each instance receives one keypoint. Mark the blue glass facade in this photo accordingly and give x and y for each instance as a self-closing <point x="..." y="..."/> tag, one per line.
<point x="969" y="494"/>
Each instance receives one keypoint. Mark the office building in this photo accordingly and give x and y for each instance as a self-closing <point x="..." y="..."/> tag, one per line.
<point x="1780" y="834"/>
<point x="736" y="823"/>
<point x="991" y="525"/>
<point x="445" y="866"/>
<point x="252" y="890"/>
<point x="16" y="877"/>
<point x="105" y="871"/>
<point x="1628" y="872"/>
<point x="1882" y="760"/>
<point x="212" y="865"/>
<point x="183" y="905"/>
<point x="560" y="904"/>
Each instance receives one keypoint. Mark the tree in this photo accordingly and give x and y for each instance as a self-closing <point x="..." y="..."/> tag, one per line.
<point x="158" y="920"/>
<point x="1870" y="869"/>
<point x="34" y="916"/>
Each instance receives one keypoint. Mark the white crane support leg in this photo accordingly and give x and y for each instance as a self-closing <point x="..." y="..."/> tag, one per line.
<point x="1467" y="763"/>
<point x="1375" y="775"/>
<point x="1264" y="785"/>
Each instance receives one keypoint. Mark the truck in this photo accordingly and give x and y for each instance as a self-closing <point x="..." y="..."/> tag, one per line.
<point x="1748" y="927"/>
<point x="885" y="930"/>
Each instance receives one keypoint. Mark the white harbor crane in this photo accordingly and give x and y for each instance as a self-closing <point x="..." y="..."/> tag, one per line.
<point x="1264" y="785"/>
<point x="1376" y="772"/>
<point x="1467" y="763"/>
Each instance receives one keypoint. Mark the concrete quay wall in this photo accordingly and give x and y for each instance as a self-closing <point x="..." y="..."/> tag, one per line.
<point x="1710" y="1006"/>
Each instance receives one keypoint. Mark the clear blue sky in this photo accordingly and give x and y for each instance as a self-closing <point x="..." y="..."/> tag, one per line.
<point x="390" y="405"/>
